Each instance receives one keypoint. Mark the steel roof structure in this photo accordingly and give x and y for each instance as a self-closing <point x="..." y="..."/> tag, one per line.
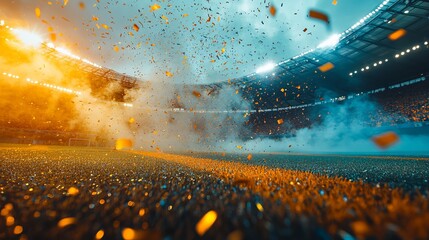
<point x="364" y="58"/>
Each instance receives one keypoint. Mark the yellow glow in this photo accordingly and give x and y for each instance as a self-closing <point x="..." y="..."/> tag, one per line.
<point x="28" y="38"/>
<point x="206" y="222"/>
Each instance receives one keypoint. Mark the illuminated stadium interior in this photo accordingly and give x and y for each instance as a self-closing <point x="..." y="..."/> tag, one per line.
<point x="234" y="119"/>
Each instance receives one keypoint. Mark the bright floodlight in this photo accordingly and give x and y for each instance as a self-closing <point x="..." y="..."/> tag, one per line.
<point x="28" y="38"/>
<point x="266" y="68"/>
<point x="332" y="41"/>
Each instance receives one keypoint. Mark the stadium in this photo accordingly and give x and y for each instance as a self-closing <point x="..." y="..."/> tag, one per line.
<point x="214" y="120"/>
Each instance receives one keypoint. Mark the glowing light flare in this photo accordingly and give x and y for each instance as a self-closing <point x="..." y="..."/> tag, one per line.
<point x="266" y="68"/>
<point x="28" y="38"/>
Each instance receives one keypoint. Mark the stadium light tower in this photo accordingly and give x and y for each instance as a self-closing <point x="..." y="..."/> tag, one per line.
<point x="331" y="42"/>
<point x="28" y="38"/>
<point x="266" y="68"/>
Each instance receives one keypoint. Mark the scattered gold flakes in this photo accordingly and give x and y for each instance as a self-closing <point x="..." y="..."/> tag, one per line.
<point x="206" y="222"/>
<point x="397" y="34"/>
<point x="18" y="230"/>
<point x="385" y="140"/>
<point x="259" y="207"/>
<point x="10" y="221"/>
<point x="155" y="7"/>
<point x="280" y="121"/>
<point x="72" y="191"/>
<point x="37" y="12"/>
<point x="319" y="15"/>
<point x="273" y="10"/>
<point x="249" y="157"/>
<point x="99" y="234"/>
<point x="142" y="212"/>
<point x="168" y="74"/>
<point x="66" y="222"/>
<point x="326" y="67"/>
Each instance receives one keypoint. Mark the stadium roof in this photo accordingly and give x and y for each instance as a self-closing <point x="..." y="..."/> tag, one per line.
<point x="359" y="50"/>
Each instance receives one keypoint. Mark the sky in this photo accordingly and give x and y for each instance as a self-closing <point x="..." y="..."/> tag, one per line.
<point x="191" y="42"/>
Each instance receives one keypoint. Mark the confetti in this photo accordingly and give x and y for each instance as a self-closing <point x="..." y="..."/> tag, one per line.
<point x="249" y="157"/>
<point x="397" y="34"/>
<point x="206" y="222"/>
<point x="155" y="7"/>
<point x="319" y="15"/>
<point x="273" y="11"/>
<point x="196" y="93"/>
<point x="326" y="67"/>
<point x="280" y="121"/>
<point x="385" y="140"/>
<point x="136" y="27"/>
<point x="37" y="12"/>
<point x="66" y="222"/>
<point x="72" y="191"/>
<point x="168" y="74"/>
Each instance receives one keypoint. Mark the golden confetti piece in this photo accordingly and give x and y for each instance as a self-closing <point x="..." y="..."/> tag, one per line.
<point x="155" y="7"/>
<point x="280" y="121"/>
<point x="37" y="12"/>
<point x="249" y="157"/>
<point x="136" y="27"/>
<point x="259" y="207"/>
<point x="123" y="143"/>
<point x="105" y="26"/>
<point x="185" y="15"/>
<point x="319" y="15"/>
<point x="66" y="222"/>
<point x="334" y="2"/>
<point x="206" y="222"/>
<point x="239" y="147"/>
<point x="385" y="140"/>
<point x="10" y="221"/>
<point x="94" y="18"/>
<point x="165" y="19"/>
<point x="196" y="94"/>
<point x="273" y="11"/>
<point x="326" y="67"/>
<point x="65" y="2"/>
<point x="53" y="37"/>
<point x="82" y="5"/>
<point x="18" y="230"/>
<point x="397" y="34"/>
<point x="72" y="191"/>
<point x="116" y="48"/>
<point x="131" y="120"/>
<point x="168" y="74"/>
<point x="223" y="50"/>
<point x="99" y="234"/>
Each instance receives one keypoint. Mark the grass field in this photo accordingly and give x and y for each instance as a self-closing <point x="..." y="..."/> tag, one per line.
<point x="88" y="193"/>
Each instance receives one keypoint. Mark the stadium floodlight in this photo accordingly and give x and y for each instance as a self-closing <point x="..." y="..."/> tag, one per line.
<point x="266" y="68"/>
<point x="28" y="38"/>
<point x="331" y="42"/>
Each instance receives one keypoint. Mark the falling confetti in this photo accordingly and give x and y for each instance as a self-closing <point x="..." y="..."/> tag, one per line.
<point x="397" y="34"/>
<point x="273" y="11"/>
<point x="136" y="27"/>
<point x="326" y="67"/>
<point x="37" y="12"/>
<point x="206" y="222"/>
<point x="319" y="15"/>
<point x="280" y="121"/>
<point x="155" y="7"/>
<point x="249" y="157"/>
<point x="386" y="140"/>
<point x="66" y="222"/>
<point x="72" y="191"/>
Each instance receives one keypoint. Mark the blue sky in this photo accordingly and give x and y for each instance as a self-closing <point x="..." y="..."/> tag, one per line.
<point x="197" y="41"/>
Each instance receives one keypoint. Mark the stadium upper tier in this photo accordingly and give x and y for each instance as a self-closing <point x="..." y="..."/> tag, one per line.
<point x="365" y="56"/>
